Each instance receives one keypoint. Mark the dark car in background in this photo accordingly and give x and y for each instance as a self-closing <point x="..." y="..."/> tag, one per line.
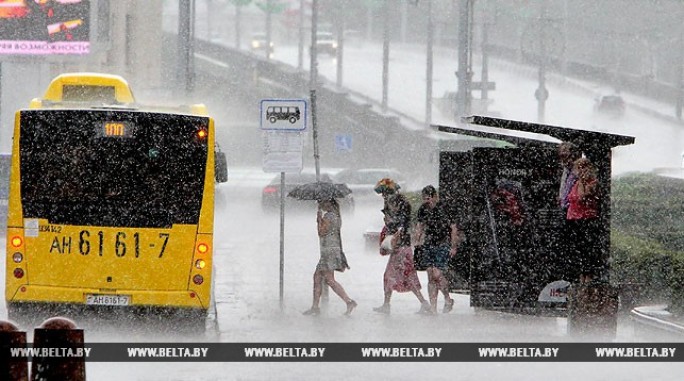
<point x="326" y="43"/>
<point x="270" y="194"/>
<point x="612" y="105"/>
<point x="259" y="44"/>
<point x="4" y="190"/>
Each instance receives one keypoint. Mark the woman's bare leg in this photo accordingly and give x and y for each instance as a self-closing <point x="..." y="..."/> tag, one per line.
<point x="419" y="295"/>
<point x="317" y="288"/>
<point x="337" y="288"/>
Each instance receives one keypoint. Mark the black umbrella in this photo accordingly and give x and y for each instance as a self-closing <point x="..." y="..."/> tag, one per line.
<point x="319" y="191"/>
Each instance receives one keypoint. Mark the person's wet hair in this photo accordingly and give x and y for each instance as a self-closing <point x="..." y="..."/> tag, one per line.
<point x="429" y="191"/>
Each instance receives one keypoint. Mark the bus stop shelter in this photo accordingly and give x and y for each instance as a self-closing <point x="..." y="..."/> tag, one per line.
<point x="505" y="199"/>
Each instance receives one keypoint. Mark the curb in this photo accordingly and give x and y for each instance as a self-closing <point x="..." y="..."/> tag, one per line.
<point x="657" y="316"/>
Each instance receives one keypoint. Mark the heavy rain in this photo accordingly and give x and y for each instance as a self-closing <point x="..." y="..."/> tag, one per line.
<point x="350" y="92"/>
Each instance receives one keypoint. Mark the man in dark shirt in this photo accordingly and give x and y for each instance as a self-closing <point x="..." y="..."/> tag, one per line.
<point x="439" y="237"/>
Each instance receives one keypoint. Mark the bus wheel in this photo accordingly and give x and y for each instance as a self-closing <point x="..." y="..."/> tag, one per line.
<point x="293" y="120"/>
<point x="272" y="119"/>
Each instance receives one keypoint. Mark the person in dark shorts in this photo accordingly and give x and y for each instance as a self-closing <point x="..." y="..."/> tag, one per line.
<point x="439" y="237"/>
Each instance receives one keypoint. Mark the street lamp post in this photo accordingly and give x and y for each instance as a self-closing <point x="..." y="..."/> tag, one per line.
<point x="429" y="66"/>
<point x="463" y="74"/>
<point x="385" y="55"/>
<point x="542" y="94"/>
<point x="300" y="46"/>
<point x="313" y="78"/>
<point x="186" y="35"/>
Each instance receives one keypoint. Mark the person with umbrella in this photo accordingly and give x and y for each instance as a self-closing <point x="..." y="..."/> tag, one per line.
<point x="329" y="224"/>
<point x="332" y="257"/>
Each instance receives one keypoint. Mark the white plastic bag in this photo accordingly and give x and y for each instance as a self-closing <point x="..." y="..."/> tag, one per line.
<point x="387" y="243"/>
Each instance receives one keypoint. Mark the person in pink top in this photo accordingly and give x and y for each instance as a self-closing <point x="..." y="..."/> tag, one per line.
<point x="583" y="220"/>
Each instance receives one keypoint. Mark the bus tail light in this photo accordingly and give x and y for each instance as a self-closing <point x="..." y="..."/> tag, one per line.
<point x="200" y="264"/>
<point x="17" y="241"/>
<point x="202" y="248"/>
<point x="202" y="133"/>
<point x="17" y="257"/>
<point x="197" y="279"/>
<point x="18" y="273"/>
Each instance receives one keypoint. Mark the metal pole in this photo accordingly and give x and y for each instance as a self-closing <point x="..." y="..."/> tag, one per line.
<point x="269" y="7"/>
<point x="542" y="92"/>
<point x="463" y="74"/>
<point x="313" y="71"/>
<point x="339" y="54"/>
<point x="184" y="12"/>
<point x="300" y="51"/>
<point x="385" y="55"/>
<point x="429" y="66"/>
<point x="313" y="77"/>
<point x="282" y="240"/>
<point x="680" y="76"/>
<point x="238" y="17"/>
<point x="485" y="58"/>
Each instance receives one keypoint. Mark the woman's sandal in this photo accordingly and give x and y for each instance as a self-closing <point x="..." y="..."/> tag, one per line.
<point x="448" y="306"/>
<point x="350" y="307"/>
<point x="314" y="311"/>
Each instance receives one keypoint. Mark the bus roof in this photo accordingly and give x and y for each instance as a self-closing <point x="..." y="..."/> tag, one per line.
<point x="58" y="89"/>
<point x="80" y="89"/>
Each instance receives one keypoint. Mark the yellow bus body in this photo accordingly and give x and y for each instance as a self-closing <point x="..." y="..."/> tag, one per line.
<point x="66" y="264"/>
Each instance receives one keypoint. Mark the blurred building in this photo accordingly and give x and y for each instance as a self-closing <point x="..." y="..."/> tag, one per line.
<point x="120" y="36"/>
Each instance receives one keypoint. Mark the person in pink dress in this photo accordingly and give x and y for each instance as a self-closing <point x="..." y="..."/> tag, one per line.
<point x="584" y="226"/>
<point x="400" y="273"/>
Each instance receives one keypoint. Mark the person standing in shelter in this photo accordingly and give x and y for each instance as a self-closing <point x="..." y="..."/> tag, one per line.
<point x="332" y="257"/>
<point x="400" y="273"/>
<point x="439" y="237"/>
<point x="568" y="153"/>
<point x="584" y="226"/>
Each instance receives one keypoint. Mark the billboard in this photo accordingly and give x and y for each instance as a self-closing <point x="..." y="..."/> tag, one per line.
<point x="518" y="230"/>
<point x="44" y="27"/>
<point x="505" y="200"/>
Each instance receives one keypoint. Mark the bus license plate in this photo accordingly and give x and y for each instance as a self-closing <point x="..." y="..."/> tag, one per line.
<point x="108" y="300"/>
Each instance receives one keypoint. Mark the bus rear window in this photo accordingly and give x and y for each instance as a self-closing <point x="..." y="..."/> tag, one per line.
<point x="72" y="173"/>
<point x="85" y="93"/>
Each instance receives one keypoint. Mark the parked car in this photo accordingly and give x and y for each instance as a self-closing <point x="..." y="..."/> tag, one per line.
<point x="259" y="43"/>
<point x="611" y="105"/>
<point x="270" y="195"/>
<point x="326" y="43"/>
<point x="362" y="181"/>
<point x="4" y="190"/>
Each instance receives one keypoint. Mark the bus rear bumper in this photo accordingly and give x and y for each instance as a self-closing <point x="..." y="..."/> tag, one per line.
<point x="131" y="299"/>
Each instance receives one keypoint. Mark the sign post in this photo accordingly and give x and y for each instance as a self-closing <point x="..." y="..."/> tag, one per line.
<point x="283" y="122"/>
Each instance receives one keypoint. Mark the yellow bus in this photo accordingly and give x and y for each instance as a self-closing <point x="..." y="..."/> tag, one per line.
<point x="110" y="208"/>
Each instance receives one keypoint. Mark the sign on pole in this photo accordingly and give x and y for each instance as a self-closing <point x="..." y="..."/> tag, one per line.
<point x="283" y="152"/>
<point x="283" y="122"/>
<point x="283" y="114"/>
